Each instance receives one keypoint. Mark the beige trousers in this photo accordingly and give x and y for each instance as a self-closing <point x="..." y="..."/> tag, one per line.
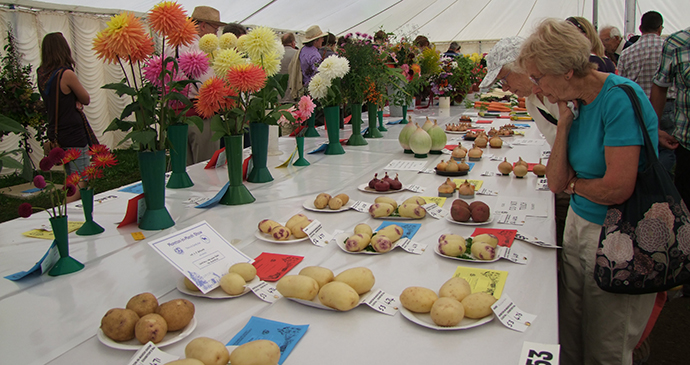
<point x="199" y="144"/>
<point x="595" y="327"/>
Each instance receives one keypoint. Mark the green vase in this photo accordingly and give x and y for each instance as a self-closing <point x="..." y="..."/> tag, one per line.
<point x="237" y="193"/>
<point x="404" y="113"/>
<point x="332" y="123"/>
<point x="372" y="131"/>
<point x="258" y="132"/>
<point x="301" y="161"/>
<point x="177" y="134"/>
<point x="152" y="168"/>
<point x="311" y="129"/>
<point x="356" y="138"/>
<point x="89" y="227"/>
<point x="380" y="117"/>
<point x="66" y="264"/>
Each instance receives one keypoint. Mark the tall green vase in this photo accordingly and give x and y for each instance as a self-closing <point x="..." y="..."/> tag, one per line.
<point x="177" y="134"/>
<point x="89" y="227"/>
<point x="66" y="264"/>
<point x="404" y="113"/>
<point x="152" y="168"/>
<point x="372" y="131"/>
<point x="301" y="161"/>
<point x="258" y="132"/>
<point x="237" y="193"/>
<point x="311" y="129"/>
<point x="332" y="123"/>
<point x="379" y="114"/>
<point x="356" y="138"/>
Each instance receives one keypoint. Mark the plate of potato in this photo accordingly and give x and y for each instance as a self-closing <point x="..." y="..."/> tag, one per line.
<point x="482" y="248"/>
<point x="317" y="287"/>
<point x="450" y="219"/>
<point x="134" y="344"/>
<point x="184" y="287"/>
<point x="424" y="320"/>
<point x="367" y="242"/>
<point x="290" y="232"/>
<point x="325" y="203"/>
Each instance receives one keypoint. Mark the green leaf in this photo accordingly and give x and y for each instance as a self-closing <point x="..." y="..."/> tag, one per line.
<point x="145" y="137"/>
<point x="197" y="121"/>
<point x="8" y="124"/>
<point x="121" y="89"/>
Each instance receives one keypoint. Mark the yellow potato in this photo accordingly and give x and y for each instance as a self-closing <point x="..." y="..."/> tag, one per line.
<point x="296" y="218"/>
<point x="357" y="242"/>
<point x="364" y="228"/>
<point x="259" y="352"/>
<point x="483" y="251"/>
<point x="143" y="304"/>
<point x="335" y="203"/>
<point x="382" y="243"/>
<point x="267" y="225"/>
<point x="378" y="210"/>
<point x="246" y="270"/>
<point x="339" y="296"/>
<point x="208" y="351"/>
<point x="451" y="245"/>
<point x="415" y="200"/>
<point x="177" y="313"/>
<point x="118" y="324"/>
<point x="297" y="229"/>
<point x="185" y="362"/>
<point x="298" y="286"/>
<point x="360" y="279"/>
<point x="411" y="210"/>
<point x="232" y="283"/>
<point x="447" y="312"/>
<point x="151" y="327"/>
<point x="189" y="285"/>
<point x="322" y="275"/>
<point x="456" y="287"/>
<point x="343" y="197"/>
<point x="486" y="238"/>
<point x="321" y="200"/>
<point x="418" y="299"/>
<point x="478" y="305"/>
<point x="280" y="233"/>
<point x="385" y="199"/>
<point x="394" y="232"/>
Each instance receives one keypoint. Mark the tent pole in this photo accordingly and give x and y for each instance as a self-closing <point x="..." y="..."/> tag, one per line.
<point x="595" y="14"/>
<point x="629" y="17"/>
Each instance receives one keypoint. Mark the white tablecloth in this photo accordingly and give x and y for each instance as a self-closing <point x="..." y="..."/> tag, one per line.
<point x="54" y="319"/>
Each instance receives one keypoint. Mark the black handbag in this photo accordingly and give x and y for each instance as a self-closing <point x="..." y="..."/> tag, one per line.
<point x="644" y="245"/>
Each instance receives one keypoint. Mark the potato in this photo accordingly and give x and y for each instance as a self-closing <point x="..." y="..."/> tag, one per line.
<point x="447" y="312"/>
<point x="295" y="219"/>
<point x="321" y="200"/>
<point x="357" y="242"/>
<point x="259" y="352"/>
<point x="415" y="200"/>
<point x="460" y="213"/>
<point x="177" y="312"/>
<point x="246" y="270"/>
<point x="364" y="228"/>
<point x="190" y="285"/>
<point x="483" y="251"/>
<point x="143" y="304"/>
<point x="185" y="362"/>
<point x="151" y="327"/>
<point x="480" y="211"/>
<point x="456" y="287"/>
<point x="322" y="275"/>
<point x="478" y="305"/>
<point x="385" y="199"/>
<point x="451" y="245"/>
<point x="267" y="225"/>
<point x="298" y="286"/>
<point x="297" y="229"/>
<point x="335" y="203"/>
<point x="411" y="210"/>
<point x="394" y="232"/>
<point x="418" y="299"/>
<point x="118" y="324"/>
<point x="232" y="283"/>
<point x="280" y="233"/>
<point x="360" y="279"/>
<point x="343" y="197"/>
<point x="381" y="243"/>
<point x="460" y="202"/>
<point x="208" y="351"/>
<point x="339" y="296"/>
<point x="378" y="210"/>
<point x="486" y="238"/>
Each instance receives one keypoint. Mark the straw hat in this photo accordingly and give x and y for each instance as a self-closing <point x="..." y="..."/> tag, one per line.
<point x="504" y="52"/>
<point x="312" y="33"/>
<point x="208" y="15"/>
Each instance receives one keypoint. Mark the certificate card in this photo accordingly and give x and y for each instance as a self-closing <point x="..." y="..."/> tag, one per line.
<point x="200" y="253"/>
<point x="405" y="165"/>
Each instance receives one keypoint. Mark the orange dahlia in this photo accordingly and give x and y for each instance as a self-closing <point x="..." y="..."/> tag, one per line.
<point x="102" y="47"/>
<point x="127" y="37"/>
<point x="105" y="159"/>
<point x="184" y="35"/>
<point x="247" y="77"/>
<point x="166" y="17"/>
<point x="214" y="95"/>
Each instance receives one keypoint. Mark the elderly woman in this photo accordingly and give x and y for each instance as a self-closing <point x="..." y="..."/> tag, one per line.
<point x="595" y="159"/>
<point x="598" y="54"/>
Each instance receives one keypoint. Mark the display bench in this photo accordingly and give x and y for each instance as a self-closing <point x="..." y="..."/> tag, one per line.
<point x="55" y="319"/>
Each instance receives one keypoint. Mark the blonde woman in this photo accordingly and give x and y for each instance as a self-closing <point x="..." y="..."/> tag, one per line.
<point x="598" y="53"/>
<point x="595" y="159"/>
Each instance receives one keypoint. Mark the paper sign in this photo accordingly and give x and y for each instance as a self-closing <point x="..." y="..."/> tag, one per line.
<point x="273" y="266"/>
<point x="48" y="235"/>
<point x="284" y="335"/>
<point x="511" y="316"/>
<point x="136" y="188"/>
<point x="405" y="165"/>
<point x="149" y="354"/>
<point x="483" y="280"/>
<point x="317" y="235"/>
<point x="534" y="240"/>
<point x="516" y="219"/>
<point x="485" y="191"/>
<point x="200" y="253"/>
<point x="409" y="229"/>
<point x="505" y="236"/>
<point x="528" y="142"/>
<point x="539" y="354"/>
<point x="414" y="188"/>
<point x="411" y="246"/>
<point x="426" y="171"/>
<point x="42" y="266"/>
<point x="102" y="200"/>
<point x="382" y="302"/>
<point x="545" y="154"/>
<point x="488" y="173"/>
<point x="434" y="210"/>
<point x="435" y="199"/>
<point x="477" y="183"/>
<point x="216" y="199"/>
<point x="542" y="184"/>
<point x="132" y="213"/>
<point x="361" y="206"/>
<point x="533" y="208"/>
<point x="508" y="254"/>
<point x="266" y="292"/>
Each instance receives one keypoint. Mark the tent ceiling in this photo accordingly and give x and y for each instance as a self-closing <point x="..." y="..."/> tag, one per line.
<point x="440" y="20"/>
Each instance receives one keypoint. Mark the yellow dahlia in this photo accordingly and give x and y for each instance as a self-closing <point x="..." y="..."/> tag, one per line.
<point x="270" y="63"/>
<point x="259" y="41"/>
<point x="240" y="43"/>
<point x="208" y="43"/>
<point x="228" y="40"/>
<point x="226" y="59"/>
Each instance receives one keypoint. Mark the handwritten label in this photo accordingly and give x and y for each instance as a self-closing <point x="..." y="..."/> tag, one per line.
<point x="534" y="240"/>
<point x="411" y="246"/>
<point x="539" y="354"/>
<point x="427" y="171"/>
<point x="266" y="292"/>
<point x="414" y="188"/>
<point x="516" y="219"/>
<point x="485" y="191"/>
<point x="405" y="165"/>
<point x="488" y="173"/>
<point x="149" y="354"/>
<point x="542" y="184"/>
<point x="99" y="200"/>
<point x="361" y="206"/>
<point x="508" y="254"/>
<point x="381" y="302"/>
<point x="434" y="210"/>
<point x="545" y="154"/>
<point x="511" y="316"/>
<point x="316" y="234"/>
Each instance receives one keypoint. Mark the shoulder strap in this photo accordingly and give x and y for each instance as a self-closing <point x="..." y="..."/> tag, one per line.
<point x="57" y="98"/>
<point x="637" y="108"/>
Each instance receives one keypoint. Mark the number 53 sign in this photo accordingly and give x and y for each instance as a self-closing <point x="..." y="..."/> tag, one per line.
<point x="539" y="354"/>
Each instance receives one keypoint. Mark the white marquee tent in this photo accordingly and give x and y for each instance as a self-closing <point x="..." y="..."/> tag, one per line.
<point x="477" y="24"/>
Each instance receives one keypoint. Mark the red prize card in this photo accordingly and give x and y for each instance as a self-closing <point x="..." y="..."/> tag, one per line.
<point x="132" y="213"/>
<point x="530" y="165"/>
<point x="212" y="162"/>
<point x="450" y="147"/>
<point x="347" y="119"/>
<point x="273" y="266"/>
<point x="484" y="121"/>
<point x="505" y="236"/>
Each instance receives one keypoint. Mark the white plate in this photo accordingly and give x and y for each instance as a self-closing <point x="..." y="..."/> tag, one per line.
<point x="309" y="205"/>
<point x="470" y="223"/>
<point x="456" y="132"/>
<point x="466" y="260"/>
<point x="424" y="320"/>
<point x="134" y="344"/>
<point x="316" y="303"/>
<point x="365" y="188"/>
<point x="268" y="238"/>
<point x="216" y="293"/>
<point x="340" y="240"/>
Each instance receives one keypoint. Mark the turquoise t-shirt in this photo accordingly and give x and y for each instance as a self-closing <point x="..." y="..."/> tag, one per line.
<point x="608" y="121"/>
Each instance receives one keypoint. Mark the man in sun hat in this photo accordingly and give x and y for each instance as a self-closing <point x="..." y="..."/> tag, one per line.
<point x="304" y="65"/>
<point x="207" y="20"/>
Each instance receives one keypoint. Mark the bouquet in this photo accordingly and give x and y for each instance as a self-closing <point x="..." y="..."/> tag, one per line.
<point x="304" y="110"/>
<point x="326" y="86"/>
<point x="101" y="157"/>
<point x="441" y="84"/>
<point x="58" y="197"/>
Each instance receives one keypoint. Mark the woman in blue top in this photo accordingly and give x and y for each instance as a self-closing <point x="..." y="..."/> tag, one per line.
<point x="595" y="159"/>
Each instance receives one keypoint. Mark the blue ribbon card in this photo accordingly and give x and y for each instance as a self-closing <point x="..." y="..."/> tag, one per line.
<point x="284" y="335"/>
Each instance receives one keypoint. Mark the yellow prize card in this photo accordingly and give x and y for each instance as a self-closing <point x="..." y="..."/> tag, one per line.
<point x="477" y="183"/>
<point x="483" y="280"/>
<point x="48" y="235"/>
<point x="435" y="199"/>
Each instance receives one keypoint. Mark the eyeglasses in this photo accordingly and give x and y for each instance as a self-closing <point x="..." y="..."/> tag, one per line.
<point x="502" y="80"/>
<point x="536" y="80"/>
<point x="574" y="22"/>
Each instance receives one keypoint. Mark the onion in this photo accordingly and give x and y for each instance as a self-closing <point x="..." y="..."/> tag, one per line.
<point x="438" y="137"/>
<point x="427" y="125"/>
<point x="420" y="142"/>
<point x="405" y="133"/>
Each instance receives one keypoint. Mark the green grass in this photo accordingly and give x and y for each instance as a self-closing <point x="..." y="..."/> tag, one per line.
<point x="125" y="172"/>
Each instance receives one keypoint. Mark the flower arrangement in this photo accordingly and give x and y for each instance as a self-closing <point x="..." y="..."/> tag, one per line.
<point x="304" y="110"/>
<point x="326" y="85"/>
<point x="157" y="85"/>
<point x="441" y="84"/>
<point x="101" y="157"/>
<point x="247" y="83"/>
<point x="367" y="62"/>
